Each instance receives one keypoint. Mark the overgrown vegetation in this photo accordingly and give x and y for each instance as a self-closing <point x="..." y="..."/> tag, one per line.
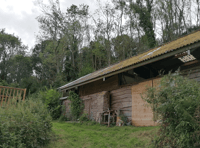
<point x="50" y="98"/>
<point x="92" y="135"/>
<point x="76" y="105"/>
<point x="84" y="117"/>
<point x="25" y="124"/>
<point x="176" y="103"/>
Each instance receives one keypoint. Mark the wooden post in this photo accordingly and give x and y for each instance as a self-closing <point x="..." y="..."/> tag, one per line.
<point x="13" y="94"/>
<point x="20" y="93"/>
<point x="6" y="95"/>
<point x="17" y="94"/>
<point x="109" y="118"/>
<point x="9" y="96"/>
<point x="24" y="94"/>
<point x="2" y="96"/>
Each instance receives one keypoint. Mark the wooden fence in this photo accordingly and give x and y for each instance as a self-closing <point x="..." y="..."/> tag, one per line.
<point x="8" y="93"/>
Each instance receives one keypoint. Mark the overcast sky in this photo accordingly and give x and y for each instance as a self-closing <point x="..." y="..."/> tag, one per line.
<point x="19" y="17"/>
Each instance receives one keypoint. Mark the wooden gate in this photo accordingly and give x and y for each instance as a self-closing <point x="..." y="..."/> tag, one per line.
<point x="8" y="93"/>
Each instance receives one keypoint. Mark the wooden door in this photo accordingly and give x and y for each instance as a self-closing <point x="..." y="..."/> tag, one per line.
<point x="142" y="114"/>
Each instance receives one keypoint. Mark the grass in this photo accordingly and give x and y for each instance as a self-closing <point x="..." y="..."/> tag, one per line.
<point x="76" y="135"/>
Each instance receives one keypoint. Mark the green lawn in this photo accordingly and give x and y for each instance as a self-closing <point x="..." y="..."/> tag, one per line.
<point x="76" y="135"/>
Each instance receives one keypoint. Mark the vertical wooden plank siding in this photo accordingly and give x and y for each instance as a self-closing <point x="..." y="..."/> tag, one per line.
<point x="142" y="114"/>
<point x="121" y="99"/>
<point x="192" y="73"/>
<point x="95" y="104"/>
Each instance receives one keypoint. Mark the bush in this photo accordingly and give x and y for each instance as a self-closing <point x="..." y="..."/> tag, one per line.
<point x="84" y="117"/>
<point x="124" y="118"/>
<point x="24" y="124"/>
<point x="50" y="97"/>
<point x="176" y="103"/>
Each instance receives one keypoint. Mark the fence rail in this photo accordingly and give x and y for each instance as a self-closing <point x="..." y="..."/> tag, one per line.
<point x="7" y="93"/>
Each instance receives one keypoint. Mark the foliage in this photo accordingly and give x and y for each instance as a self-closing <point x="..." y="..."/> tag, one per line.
<point x="12" y="58"/>
<point x="63" y="115"/>
<point x="76" y="105"/>
<point x="176" y="102"/>
<point x="123" y="118"/>
<point x="84" y="117"/>
<point x="50" y="97"/>
<point x="25" y="124"/>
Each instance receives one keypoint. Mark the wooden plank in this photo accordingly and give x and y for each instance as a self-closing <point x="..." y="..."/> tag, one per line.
<point x="17" y="94"/>
<point x="2" y="99"/>
<point x="20" y="93"/>
<point x="14" y="93"/>
<point x="24" y="94"/>
<point x="121" y="96"/>
<point x="10" y="96"/>
<point x="128" y="91"/>
<point x="7" y="92"/>
<point x="10" y="87"/>
<point x="120" y="89"/>
<point x="121" y="100"/>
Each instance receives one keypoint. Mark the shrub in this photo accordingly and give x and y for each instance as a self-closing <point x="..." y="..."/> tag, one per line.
<point x="176" y="103"/>
<point x="76" y="105"/>
<point x="124" y="118"/>
<point x="50" y="97"/>
<point x="84" y="117"/>
<point x="24" y="124"/>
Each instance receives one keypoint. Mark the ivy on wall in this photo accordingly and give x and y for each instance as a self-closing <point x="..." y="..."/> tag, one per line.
<point x="76" y="105"/>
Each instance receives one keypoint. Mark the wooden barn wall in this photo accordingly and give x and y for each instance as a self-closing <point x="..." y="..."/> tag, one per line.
<point x="109" y="84"/>
<point x="95" y="104"/>
<point x="121" y="99"/>
<point x="67" y="112"/>
<point x="192" y="73"/>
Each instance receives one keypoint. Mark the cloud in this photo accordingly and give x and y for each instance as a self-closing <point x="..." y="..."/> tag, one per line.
<point x="19" y="17"/>
<point x="23" y="24"/>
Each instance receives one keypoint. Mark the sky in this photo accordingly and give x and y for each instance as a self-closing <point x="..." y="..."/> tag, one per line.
<point x="18" y="17"/>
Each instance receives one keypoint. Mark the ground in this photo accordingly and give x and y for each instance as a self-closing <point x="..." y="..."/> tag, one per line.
<point x="89" y="135"/>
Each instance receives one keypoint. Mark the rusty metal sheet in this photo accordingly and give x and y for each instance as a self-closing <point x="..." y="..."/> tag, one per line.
<point x="166" y="48"/>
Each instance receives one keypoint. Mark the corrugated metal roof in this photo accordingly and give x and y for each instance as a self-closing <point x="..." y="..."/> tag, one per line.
<point x="171" y="46"/>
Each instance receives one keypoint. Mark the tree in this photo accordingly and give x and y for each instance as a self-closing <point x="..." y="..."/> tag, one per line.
<point x="122" y="48"/>
<point x="10" y="46"/>
<point x="104" y="27"/>
<point x="144" y="9"/>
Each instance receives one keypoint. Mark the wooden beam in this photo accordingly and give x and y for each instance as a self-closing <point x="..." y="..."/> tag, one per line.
<point x="128" y="75"/>
<point x="11" y="87"/>
<point x="191" y="62"/>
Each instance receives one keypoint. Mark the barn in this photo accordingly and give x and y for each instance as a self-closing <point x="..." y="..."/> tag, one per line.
<point x="119" y="86"/>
